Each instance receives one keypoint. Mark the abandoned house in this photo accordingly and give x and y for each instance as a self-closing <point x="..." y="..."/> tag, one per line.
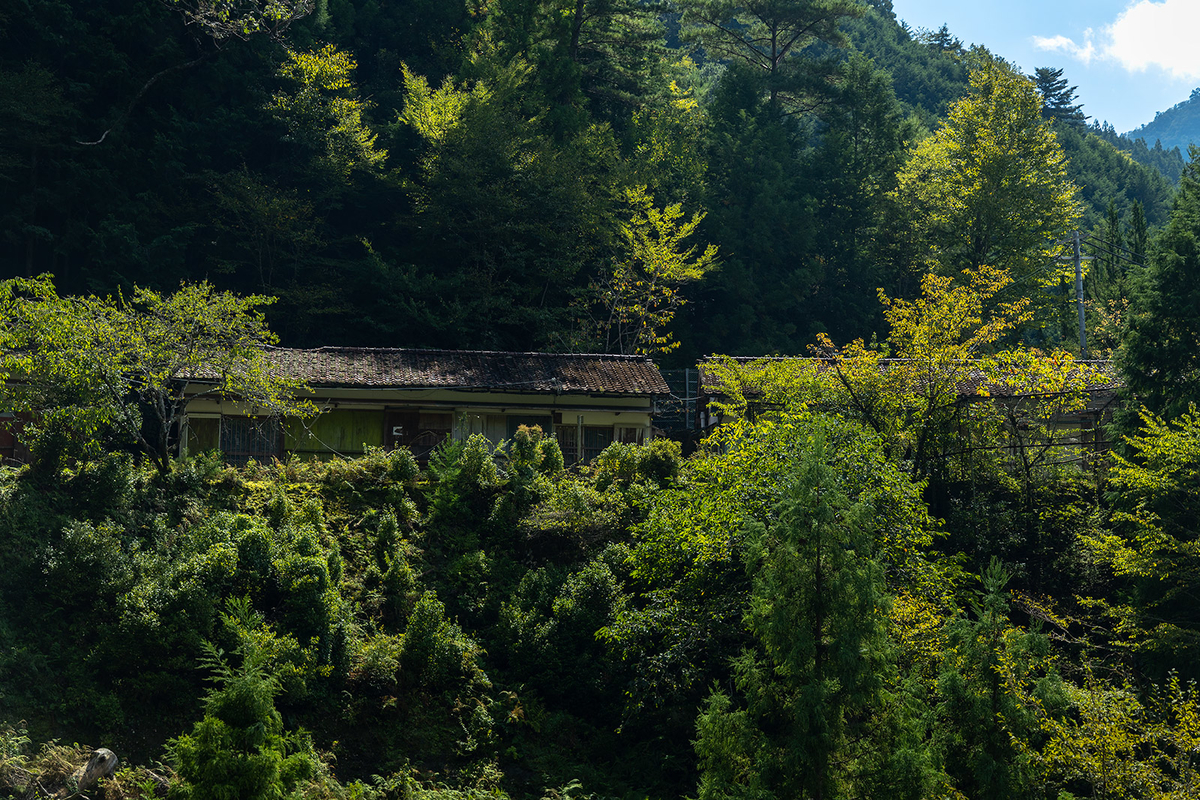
<point x="381" y="397"/>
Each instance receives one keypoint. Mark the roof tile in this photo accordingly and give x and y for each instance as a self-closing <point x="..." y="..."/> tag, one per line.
<point x="377" y="367"/>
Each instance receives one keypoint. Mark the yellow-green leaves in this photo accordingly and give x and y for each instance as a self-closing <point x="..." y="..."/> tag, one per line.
<point x="990" y="186"/>
<point x="323" y="110"/>
<point x="432" y="113"/>
<point x="1123" y="743"/>
<point x="119" y="361"/>
<point x="640" y="296"/>
<point x="1153" y="539"/>
<point x="925" y="389"/>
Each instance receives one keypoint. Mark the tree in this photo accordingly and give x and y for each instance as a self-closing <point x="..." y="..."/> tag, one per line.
<point x="938" y="340"/>
<point x="506" y="216"/>
<point x="1137" y="232"/>
<point x="768" y="36"/>
<point x="323" y="112"/>
<point x="990" y="186"/>
<point x="861" y="151"/>
<point x="1057" y="97"/>
<point x="1151" y="544"/>
<point x="239" y="749"/>
<point x="987" y="721"/>
<point x="1160" y="354"/>
<point x="594" y="59"/>
<point x="639" y="298"/>
<point x="925" y="391"/>
<point x="240" y="19"/>
<point x="813" y="685"/>
<point x="123" y="362"/>
<point x="941" y="40"/>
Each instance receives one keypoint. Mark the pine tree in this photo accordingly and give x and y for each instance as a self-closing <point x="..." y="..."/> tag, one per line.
<point x="768" y="36"/>
<point x="943" y="41"/>
<point x="1137" y="232"/>
<point x="1058" y="98"/>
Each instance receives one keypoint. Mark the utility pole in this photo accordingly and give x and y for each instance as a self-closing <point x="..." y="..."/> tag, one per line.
<point x="1083" y="351"/>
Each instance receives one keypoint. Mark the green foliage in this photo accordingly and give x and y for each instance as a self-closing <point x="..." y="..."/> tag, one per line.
<point x="324" y="113"/>
<point x="1058" y="99"/>
<point x="927" y="67"/>
<point x="1174" y="128"/>
<point x="14" y="744"/>
<point x="222" y="19"/>
<point x="990" y="186"/>
<point x="985" y="719"/>
<point x="436" y="655"/>
<point x="1106" y="174"/>
<point x="119" y="363"/>
<point x="503" y="210"/>
<point x="1158" y="354"/>
<point x="639" y="298"/>
<point x="239" y="749"/>
<point x="813" y="687"/>
<point x="1151" y="543"/>
<point x="1168" y="161"/>
<point x="496" y="625"/>
<point x="769" y="37"/>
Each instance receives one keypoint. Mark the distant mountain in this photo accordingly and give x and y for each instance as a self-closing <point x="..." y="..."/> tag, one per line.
<point x="1178" y="126"/>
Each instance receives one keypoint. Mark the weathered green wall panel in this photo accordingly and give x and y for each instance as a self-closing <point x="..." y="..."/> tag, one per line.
<point x="340" y="430"/>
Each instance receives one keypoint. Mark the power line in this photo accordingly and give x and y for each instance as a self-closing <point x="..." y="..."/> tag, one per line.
<point x="1118" y="256"/>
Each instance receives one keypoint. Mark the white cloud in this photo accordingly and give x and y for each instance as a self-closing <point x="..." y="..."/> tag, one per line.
<point x="1157" y="34"/>
<point x="1148" y="33"/>
<point x="1061" y="44"/>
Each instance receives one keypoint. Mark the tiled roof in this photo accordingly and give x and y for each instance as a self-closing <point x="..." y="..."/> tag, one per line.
<point x="388" y="368"/>
<point x="1105" y="380"/>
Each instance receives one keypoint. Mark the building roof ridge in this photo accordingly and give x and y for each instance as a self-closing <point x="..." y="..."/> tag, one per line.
<point x="436" y="350"/>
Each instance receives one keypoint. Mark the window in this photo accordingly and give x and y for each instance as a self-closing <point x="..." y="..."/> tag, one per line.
<point x="566" y="442"/>
<point x="419" y="431"/>
<point x="595" y="440"/>
<point x="630" y="435"/>
<point x="244" y="438"/>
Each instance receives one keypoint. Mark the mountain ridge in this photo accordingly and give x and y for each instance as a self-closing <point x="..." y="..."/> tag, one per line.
<point x="1177" y="126"/>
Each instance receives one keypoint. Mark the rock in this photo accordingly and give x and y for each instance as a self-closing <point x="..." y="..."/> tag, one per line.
<point x="102" y="764"/>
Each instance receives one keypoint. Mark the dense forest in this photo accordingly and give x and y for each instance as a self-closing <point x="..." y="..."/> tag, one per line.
<point x="868" y="582"/>
<point x="1176" y="127"/>
<point x="459" y="174"/>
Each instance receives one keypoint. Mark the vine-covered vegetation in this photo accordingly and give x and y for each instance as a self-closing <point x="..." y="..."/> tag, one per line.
<point x="902" y="569"/>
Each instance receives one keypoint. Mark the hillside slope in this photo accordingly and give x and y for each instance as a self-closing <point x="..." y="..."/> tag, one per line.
<point x="929" y="72"/>
<point x="1178" y="126"/>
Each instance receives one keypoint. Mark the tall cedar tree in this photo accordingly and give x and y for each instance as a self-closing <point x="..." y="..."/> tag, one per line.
<point x="813" y="686"/>
<point x="1160" y="357"/>
<point x="593" y="60"/>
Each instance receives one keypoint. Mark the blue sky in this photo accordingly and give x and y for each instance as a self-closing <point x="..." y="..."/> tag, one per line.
<point x="1129" y="58"/>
